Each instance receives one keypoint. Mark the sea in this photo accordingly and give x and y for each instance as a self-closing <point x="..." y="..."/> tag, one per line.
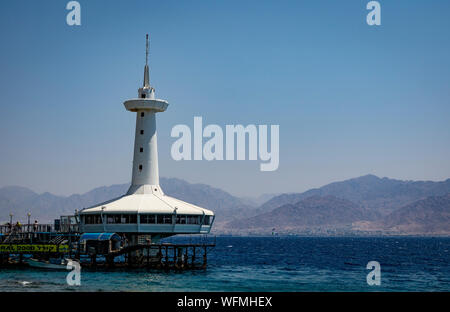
<point x="275" y="263"/>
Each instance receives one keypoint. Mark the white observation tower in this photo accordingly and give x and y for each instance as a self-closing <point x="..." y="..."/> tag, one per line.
<point x="145" y="210"/>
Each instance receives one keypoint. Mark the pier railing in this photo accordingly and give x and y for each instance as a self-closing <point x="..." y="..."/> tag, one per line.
<point x="38" y="228"/>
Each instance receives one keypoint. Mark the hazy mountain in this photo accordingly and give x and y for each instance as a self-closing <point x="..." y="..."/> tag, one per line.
<point x="224" y="205"/>
<point x="430" y="215"/>
<point x="381" y="196"/>
<point x="19" y="201"/>
<point x="46" y="207"/>
<point x="259" y="200"/>
<point x="366" y="203"/>
<point x="14" y="193"/>
<point x="312" y="212"/>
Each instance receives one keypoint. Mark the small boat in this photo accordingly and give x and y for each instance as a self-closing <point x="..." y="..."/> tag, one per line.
<point x="47" y="265"/>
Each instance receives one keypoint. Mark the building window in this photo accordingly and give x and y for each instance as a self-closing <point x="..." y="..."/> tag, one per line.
<point x="128" y="219"/>
<point x="147" y="219"/>
<point x="93" y="219"/>
<point x="142" y="131"/>
<point x="188" y="219"/>
<point x="141" y="150"/>
<point x="113" y="219"/>
<point x="122" y="219"/>
<point x="140" y="167"/>
<point x="164" y="219"/>
<point x="181" y="219"/>
<point x="193" y="219"/>
<point x="206" y="220"/>
<point x="167" y="219"/>
<point x="142" y="114"/>
<point x="143" y="95"/>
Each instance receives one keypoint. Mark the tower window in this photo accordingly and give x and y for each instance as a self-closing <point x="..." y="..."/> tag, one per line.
<point x="142" y="114"/>
<point x="142" y="131"/>
<point x="141" y="149"/>
<point x="143" y="95"/>
<point x="140" y="167"/>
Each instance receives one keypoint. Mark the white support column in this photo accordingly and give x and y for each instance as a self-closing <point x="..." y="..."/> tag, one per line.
<point x="145" y="160"/>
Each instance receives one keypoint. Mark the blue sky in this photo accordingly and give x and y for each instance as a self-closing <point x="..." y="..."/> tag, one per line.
<point x="350" y="99"/>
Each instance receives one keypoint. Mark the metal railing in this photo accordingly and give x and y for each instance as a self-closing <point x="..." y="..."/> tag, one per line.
<point x="38" y="228"/>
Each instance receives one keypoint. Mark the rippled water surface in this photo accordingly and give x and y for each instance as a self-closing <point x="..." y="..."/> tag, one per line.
<point x="274" y="264"/>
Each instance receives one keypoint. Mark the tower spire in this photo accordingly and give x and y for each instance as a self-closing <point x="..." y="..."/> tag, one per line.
<point x="146" y="50"/>
<point x="146" y="74"/>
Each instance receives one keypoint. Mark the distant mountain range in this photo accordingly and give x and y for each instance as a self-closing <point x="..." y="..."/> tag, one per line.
<point x="310" y="212"/>
<point x="427" y="216"/>
<point x="380" y="196"/>
<point x="362" y="205"/>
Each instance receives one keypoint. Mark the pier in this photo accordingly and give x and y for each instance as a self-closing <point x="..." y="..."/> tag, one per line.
<point x="53" y="242"/>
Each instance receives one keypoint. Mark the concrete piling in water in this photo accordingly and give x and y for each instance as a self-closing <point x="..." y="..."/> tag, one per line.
<point x="193" y="257"/>
<point x="204" y="258"/>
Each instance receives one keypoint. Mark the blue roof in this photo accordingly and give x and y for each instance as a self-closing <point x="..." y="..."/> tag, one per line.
<point x="99" y="236"/>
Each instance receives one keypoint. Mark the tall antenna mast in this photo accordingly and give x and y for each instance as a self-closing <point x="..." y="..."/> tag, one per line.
<point x="146" y="74"/>
<point x="146" y="51"/>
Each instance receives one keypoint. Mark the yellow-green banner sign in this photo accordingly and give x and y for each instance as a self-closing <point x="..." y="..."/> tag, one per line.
<point x="33" y="248"/>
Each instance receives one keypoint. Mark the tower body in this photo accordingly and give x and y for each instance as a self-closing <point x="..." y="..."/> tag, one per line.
<point x="145" y="160"/>
<point x="145" y="173"/>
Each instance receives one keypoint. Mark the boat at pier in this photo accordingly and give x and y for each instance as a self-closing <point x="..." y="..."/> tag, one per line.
<point x="40" y="264"/>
